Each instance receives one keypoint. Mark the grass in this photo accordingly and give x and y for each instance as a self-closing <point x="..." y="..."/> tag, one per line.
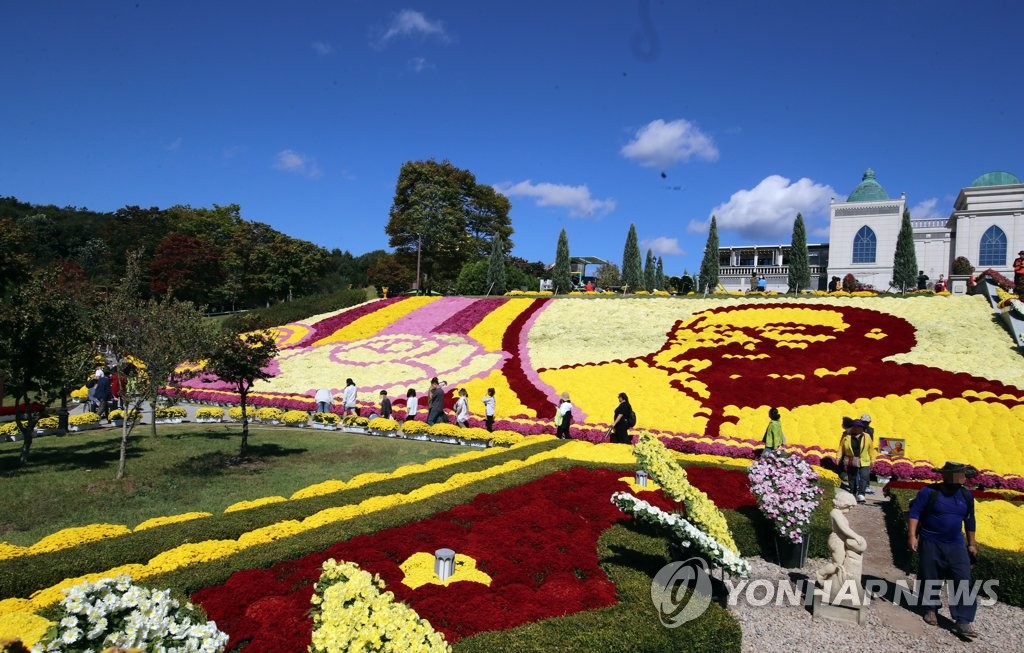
<point x="69" y="480"/>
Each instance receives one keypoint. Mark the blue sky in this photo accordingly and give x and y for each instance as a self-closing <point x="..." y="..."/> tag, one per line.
<point x="303" y="112"/>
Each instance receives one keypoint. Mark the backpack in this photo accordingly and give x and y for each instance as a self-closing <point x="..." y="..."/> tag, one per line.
<point x="630" y="419"/>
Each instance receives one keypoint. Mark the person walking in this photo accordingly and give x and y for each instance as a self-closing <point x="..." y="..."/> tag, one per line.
<point x="938" y="518"/>
<point x="623" y="419"/>
<point x="462" y="409"/>
<point x="385" y="405"/>
<point x="412" y="405"/>
<point x="435" y="402"/>
<point x="563" y="417"/>
<point x="101" y="395"/>
<point x="489" y="409"/>
<point x="774" y="438"/>
<point x="348" y="396"/>
<point x="323" y="399"/>
<point x="856" y="450"/>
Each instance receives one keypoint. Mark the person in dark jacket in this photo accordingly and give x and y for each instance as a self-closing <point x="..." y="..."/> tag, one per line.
<point x="619" y="430"/>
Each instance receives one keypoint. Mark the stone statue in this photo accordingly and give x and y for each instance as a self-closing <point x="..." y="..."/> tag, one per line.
<point x="840" y="579"/>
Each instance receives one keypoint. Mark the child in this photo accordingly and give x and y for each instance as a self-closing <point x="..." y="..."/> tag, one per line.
<point x="462" y="409"/>
<point x="489" y="409"/>
<point x="412" y="404"/>
<point x="385" y="405"/>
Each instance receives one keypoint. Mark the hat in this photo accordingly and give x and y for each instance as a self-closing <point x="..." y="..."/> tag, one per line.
<point x="956" y="468"/>
<point x="565" y="395"/>
<point x="865" y="418"/>
<point x="859" y="422"/>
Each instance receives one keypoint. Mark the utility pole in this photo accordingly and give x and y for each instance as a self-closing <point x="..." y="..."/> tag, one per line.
<point x="419" y="243"/>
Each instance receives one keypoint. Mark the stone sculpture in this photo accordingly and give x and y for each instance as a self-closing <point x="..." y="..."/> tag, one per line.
<point x="840" y="578"/>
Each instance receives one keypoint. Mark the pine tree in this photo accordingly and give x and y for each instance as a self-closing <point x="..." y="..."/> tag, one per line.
<point x="632" y="270"/>
<point x="904" y="271"/>
<point x="650" y="272"/>
<point x="659" y="277"/>
<point x="496" y="268"/>
<point x="708" y="279"/>
<point x="799" y="266"/>
<point x="562" y="277"/>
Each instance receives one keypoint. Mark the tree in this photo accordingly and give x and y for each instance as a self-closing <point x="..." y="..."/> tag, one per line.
<point x="240" y="357"/>
<point x="533" y="268"/>
<point x="708" y="279"/>
<point x="608" y="276"/>
<point x="186" y="267"/>
<point x="46" y="336"/>
<point x="659" y="276"/>
<point x="799" y="259"/>
<point x="632" y="270"/>
<point x="904" y="269"/>
<point x="520" y="280"/>
<point x="388" y="273"/>
<point x="496" y="268"/>
<point x="149" y="341"/>
<point x="650" y="272"/>
<point x="472" y="278"/>
<point x="14" y="262"/>
<point x="442" y="211"/>
<point x="561" y="276"/>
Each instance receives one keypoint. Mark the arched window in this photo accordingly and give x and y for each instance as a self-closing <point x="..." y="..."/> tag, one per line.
<point x="864" y="246"/>
<point x="993" y="247"/>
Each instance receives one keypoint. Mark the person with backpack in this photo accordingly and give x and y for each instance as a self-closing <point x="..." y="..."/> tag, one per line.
<point x="939" y="516"/>
<point x="624" y="420"/>
<point x="563" y="417"/>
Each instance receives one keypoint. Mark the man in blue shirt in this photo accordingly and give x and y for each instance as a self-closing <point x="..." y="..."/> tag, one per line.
<point x="939" y="515"/>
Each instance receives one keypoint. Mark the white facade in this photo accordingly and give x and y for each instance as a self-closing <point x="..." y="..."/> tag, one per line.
<point x="846" y="219"/>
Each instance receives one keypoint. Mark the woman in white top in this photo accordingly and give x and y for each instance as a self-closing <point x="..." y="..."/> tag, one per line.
<point x="563" y="417"/>
<point x="323" y="399"/>
<point x="412" y="404"/>
<point x="349" y="397"/>
<point x="462" y="409"/>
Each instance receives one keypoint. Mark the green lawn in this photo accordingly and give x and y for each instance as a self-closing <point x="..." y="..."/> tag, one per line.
<point x="69" y="480"/>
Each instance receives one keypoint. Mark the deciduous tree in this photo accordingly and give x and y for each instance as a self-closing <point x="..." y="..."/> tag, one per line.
<point x="608" y="276"/>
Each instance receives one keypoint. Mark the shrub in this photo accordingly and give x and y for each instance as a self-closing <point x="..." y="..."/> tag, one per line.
<point x="850" y="283"/>
<point x="962" y="265"/>
<point x="285" y="312"/>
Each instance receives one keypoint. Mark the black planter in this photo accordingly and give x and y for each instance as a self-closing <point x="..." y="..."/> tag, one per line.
<point x="790" y="554"/>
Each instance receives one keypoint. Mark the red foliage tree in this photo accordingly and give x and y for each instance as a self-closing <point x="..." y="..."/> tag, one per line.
<point x="187" y="267"/>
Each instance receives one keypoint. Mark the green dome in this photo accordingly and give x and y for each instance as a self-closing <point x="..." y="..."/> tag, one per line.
<point x="868" y="190"/>
<point x="997" y="178"/>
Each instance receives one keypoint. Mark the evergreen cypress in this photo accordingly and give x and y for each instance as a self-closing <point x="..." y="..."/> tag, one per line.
<point x="496" y="268"/>
<point x="650" y="272"/>
<point x="562" y="277"/>
<point x="659" y="281"/>
<point x="904" y="270"/>
<point x="632" y="269"/>
<point x="708" y="279"/>
<point x="799" y="266"/>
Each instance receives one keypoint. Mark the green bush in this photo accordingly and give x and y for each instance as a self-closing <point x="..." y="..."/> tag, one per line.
<point x="1006" y="567"/>
<point x="298" y="309"/>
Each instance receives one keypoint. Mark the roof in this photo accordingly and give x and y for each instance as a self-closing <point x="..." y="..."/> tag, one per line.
<point x="868" y="190"/>
<point x="587" y="260"/>
<point x="996" y="178"/>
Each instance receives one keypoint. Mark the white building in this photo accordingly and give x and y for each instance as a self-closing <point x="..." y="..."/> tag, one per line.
<point x="986" y="227"/>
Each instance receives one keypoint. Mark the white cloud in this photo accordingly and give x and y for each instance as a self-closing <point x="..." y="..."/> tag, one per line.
<point x="767" y="211"/>
<point x="662" y="246"/>
<point x="322" y="48"/>
<point x="409" y="22"/>
<point x="575" y="198"/>
<point x="419" y="64"/>
<point x="292" y="161"/>
<point x="926" y="210"/>
<point x="660" y="144"/>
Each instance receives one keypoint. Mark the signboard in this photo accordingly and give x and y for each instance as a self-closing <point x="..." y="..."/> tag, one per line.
<point x="892" y="446"/>
<point x="546" y="284"/>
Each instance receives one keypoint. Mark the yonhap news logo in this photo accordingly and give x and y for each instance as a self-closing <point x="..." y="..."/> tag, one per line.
<point x="681" y="591"/>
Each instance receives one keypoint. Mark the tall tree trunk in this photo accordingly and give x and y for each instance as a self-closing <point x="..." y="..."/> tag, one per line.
<point x="152" y="421"/>
<point x="27" y="427"/>
<point x="123" y="460"/>
<point x="245" y="423"/>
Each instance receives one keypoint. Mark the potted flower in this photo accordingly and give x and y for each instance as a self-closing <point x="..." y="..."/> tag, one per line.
<point x="382" y="426"/>
<point x="235" y="414"/>
<point x="49" y="425"/>
<point x="297" y="418"/>
<point x="170" y="415"/>
<point x="787" y="493"/>
<point x="326" y="421"/>
<point x="116" y="416"/>
<point x="354" y="424"/>
<point x="269" y="415"/>
<point x="84" y="422"/>
<point x="209" y="414"/>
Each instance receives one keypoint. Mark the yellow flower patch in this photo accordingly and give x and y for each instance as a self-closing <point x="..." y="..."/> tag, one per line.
<point x="1000" y="524"/>
<point x="171" y="519"/>
<point x="369" y="325"/>
<point x="491" y="330"/>
<point x="245" y="505"/>
<point x="418" y="570"/>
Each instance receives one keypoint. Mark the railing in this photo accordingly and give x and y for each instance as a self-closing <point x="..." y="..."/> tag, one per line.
<point x="929" y="223"/>
<point x="766" y="270"/>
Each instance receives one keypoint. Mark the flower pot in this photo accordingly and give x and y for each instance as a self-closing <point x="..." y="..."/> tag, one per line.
<point x="790" y="554"/>
<point x="74" y="428"/>
<point x="324" y="427"/>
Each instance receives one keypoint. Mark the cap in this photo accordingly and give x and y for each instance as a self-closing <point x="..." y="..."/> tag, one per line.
<point x="956" y="468"/>
<point x="865" y="418"/>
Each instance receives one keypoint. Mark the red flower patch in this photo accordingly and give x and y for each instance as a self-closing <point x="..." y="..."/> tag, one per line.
<point x="538" y="542"/>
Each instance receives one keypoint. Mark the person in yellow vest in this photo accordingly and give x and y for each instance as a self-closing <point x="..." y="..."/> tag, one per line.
<point x="774" y="438"/>
<point x="857" y="450"/>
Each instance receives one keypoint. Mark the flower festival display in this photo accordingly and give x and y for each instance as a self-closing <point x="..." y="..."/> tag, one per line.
<point x="787" y="492"/>
<point x="688" y="366"/>
<point x="295" y="418"/>
<point x="352" y="613"/>
<point x="113" y="612"/>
